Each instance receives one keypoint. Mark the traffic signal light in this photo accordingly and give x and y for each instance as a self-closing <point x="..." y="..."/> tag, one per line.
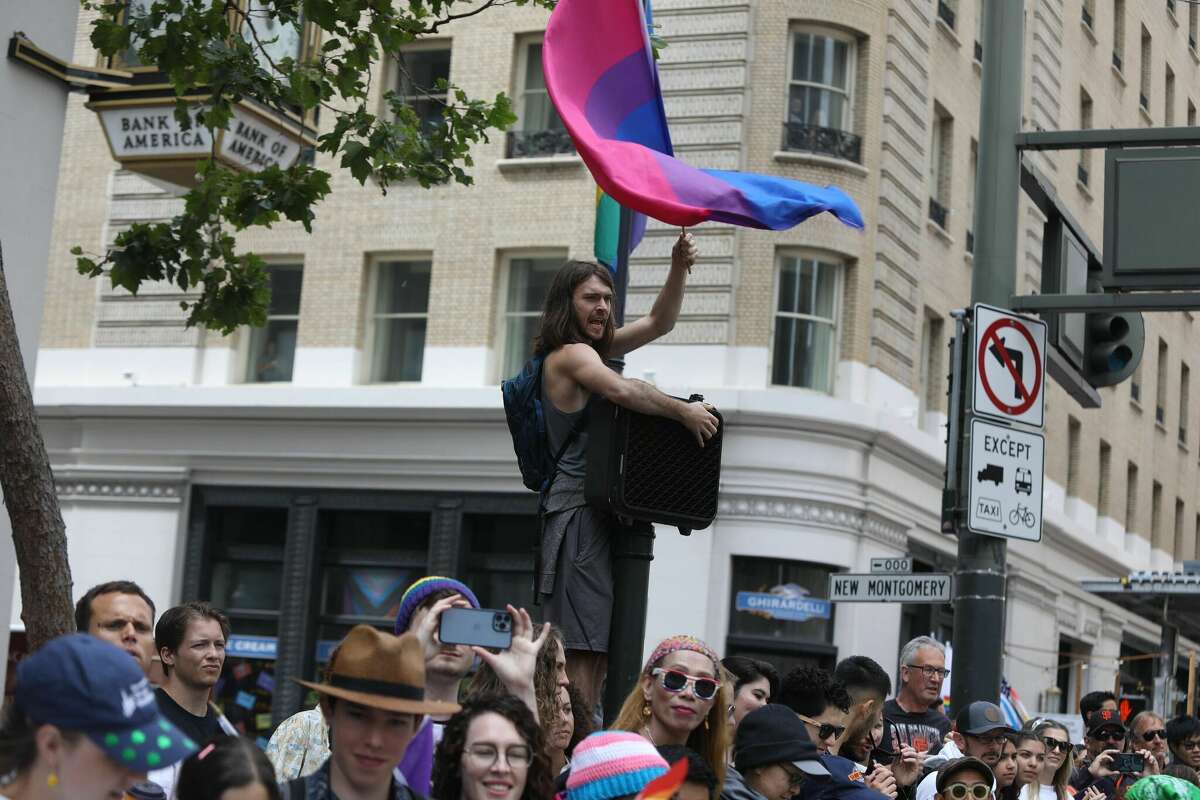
<point x="1113" y="346"/>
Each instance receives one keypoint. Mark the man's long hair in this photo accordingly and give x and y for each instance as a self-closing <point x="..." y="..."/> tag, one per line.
<point x="559" y="325"/>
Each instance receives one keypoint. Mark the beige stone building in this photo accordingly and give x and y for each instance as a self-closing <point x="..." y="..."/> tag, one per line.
<point x="301" y="474"/>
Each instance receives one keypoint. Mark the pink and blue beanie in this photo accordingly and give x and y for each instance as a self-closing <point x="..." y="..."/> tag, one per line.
<point x="421" y="589"/>
<point x="677" y="643"/>
<point x="611" y="764"/>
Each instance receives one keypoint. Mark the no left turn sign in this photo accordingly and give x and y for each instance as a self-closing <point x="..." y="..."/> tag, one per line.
<point x="1010" y="353"/>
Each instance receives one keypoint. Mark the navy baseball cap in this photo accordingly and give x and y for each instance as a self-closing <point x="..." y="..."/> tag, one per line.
<point x="80" y="683"/>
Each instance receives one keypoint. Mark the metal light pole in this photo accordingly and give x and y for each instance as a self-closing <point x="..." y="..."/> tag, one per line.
<point x="980" y="572"/>
<point x="632" y="547"/>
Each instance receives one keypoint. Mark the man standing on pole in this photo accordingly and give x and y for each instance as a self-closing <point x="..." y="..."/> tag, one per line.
<point x="577" y="333"/>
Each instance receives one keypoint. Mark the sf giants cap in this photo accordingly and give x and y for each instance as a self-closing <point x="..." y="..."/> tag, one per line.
<point x="80" y="683"/>
<point x="1105" y="718"/>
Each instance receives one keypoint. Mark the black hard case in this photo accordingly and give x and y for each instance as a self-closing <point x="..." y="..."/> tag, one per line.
<point x="650" y="468"/>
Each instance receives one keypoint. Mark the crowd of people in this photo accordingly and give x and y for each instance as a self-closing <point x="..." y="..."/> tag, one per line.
<point x="123" y="709"/>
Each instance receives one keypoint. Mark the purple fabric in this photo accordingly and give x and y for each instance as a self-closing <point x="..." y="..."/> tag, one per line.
<point x="417" y="764"/>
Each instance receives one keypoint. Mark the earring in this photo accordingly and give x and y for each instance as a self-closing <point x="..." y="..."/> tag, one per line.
<point x="646" y="710"/>
<point x="52" y="780"/>
<point x="706" y="723"/>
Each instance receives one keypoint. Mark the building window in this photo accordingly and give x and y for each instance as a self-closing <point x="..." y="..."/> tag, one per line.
<point x="794" y="631"/>
<point x="1178" y="551"/>
<point x="1104" y="489"/>
<point x="941" y="158"/>
<point x="972" y="186"/>
<point x="1156" y="532"/>
<point x="278" y="41"/>
<point x="246" y="552"/>
<point x="1089" y="13"/>
<point x="541" y="131"/>
<point x="1169" y="98"/>
<point x="1193" y="20"/>
<point x="1073" y="436"/>
<point x="1085" y="122"/>
<point x="1118" y="34"/>
<point x="1185" y="390"/>
<point x="947" y="11"/>
<point x="1146" y="50"/>
<point x="528" y="280"/>
<point x="272" y="349"/>
<point x="297" y="568"/>
<point x="980" y="11"/>
<point x="820" y="110"/>
<point x="932" y="351"/>
<point x="419" y="70"/>
<point x="1131" y="481"/>
<point x="400" y="312"/>
<point x="1135" y="384"/>
<point x="1160" y="385"/>
<point x="804" y="345"/>
<point x="1191" y="110"/>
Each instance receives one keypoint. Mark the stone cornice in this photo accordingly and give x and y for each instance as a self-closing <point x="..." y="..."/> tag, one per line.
<point x="818" y="513"/>
<point x="114" y="485"/>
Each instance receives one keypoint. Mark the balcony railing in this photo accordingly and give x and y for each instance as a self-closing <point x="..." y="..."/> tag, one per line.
<point x="534" y="144"/>
<point x="1081" y="172"/>
<point x="1117" y="60"/>
<point x="970" y="241"/>
<point x="938" y="213"/>
<point x="979" y="51"/>
<point x="946" y="13"/>
<point x="1087" y="17"/>
<point x="825" y="141"/>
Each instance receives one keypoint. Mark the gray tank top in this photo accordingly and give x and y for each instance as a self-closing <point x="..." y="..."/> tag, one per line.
<point x="558" y="427"/>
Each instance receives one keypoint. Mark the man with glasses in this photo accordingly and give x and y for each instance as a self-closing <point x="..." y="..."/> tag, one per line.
<point x="1183" y="738"/>
<point x="915" y="712"/>
<point x="979" y="733"/>
<point x="1148" y="731"/>
<point x="965" y="779"/>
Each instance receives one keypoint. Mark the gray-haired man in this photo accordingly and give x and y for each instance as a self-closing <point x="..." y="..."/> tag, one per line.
<point x="915" y="718"/>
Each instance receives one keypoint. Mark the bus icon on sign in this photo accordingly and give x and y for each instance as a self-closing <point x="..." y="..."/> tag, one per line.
<point x="1023" y="481"/>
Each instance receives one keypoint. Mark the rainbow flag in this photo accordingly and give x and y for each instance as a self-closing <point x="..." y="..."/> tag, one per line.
<point x="665" y="786"/>
<point x="601" y="76"/>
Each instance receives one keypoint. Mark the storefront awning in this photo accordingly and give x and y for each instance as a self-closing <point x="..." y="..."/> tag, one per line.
<point x="1172" y="597"/>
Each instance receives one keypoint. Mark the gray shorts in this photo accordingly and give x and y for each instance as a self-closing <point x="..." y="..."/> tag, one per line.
<point x="576" y="585"/>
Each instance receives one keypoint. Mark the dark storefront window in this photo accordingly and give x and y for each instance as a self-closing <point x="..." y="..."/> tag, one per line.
<point x="296" y="569"/>
<point x="778" y="611"/>
<point x="246" y="561"/>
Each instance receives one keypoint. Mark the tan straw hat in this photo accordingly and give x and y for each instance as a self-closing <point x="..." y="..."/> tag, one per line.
<point x="383" y="671"/>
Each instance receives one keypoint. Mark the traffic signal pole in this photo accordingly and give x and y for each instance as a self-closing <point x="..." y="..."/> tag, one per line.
<point x="979" y="586"/>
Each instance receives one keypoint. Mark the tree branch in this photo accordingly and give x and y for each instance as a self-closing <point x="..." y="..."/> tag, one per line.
<point x="433" y="28"/>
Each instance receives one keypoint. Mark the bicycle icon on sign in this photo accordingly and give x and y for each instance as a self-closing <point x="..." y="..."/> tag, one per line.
<point x="1022" y="514"/>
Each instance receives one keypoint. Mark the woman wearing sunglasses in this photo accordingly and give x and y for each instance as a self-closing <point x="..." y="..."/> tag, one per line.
<point x="682" y="698"/>
<point x="964" y="779"/>
<point x="1057" y="765"/>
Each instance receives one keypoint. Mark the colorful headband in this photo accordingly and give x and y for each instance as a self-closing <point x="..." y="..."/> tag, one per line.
<point x="677" y="643"/>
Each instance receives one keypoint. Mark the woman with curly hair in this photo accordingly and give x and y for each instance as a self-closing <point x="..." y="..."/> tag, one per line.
<point x="682" y="697"/>
<point x="492" y="750"/>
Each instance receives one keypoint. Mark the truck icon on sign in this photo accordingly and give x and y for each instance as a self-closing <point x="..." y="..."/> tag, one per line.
<point x="992" y="473"/>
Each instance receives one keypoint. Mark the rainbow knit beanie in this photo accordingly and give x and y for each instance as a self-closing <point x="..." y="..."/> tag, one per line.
<point x="424" y="587"/>
<point x="610" y="764"/>
<point x="677" y="643"/>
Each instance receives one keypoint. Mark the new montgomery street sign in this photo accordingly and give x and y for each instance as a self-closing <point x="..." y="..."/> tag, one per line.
<point x="877" y="588"/>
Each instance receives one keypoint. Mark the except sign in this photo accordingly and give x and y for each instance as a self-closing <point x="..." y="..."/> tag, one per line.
<point x="923" y="588"/>
<point x="1005" y="480"/>
<point x="1009" y="366"/>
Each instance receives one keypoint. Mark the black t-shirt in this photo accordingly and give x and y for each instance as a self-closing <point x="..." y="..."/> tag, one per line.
<point x="923" y="730"/>
<point x="198" y="729"/>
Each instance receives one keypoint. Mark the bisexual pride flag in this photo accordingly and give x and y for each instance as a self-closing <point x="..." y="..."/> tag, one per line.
<point x="601" y="76"/>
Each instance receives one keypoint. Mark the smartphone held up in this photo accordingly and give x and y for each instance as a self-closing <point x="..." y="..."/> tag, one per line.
<point x="481" y="627"/>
